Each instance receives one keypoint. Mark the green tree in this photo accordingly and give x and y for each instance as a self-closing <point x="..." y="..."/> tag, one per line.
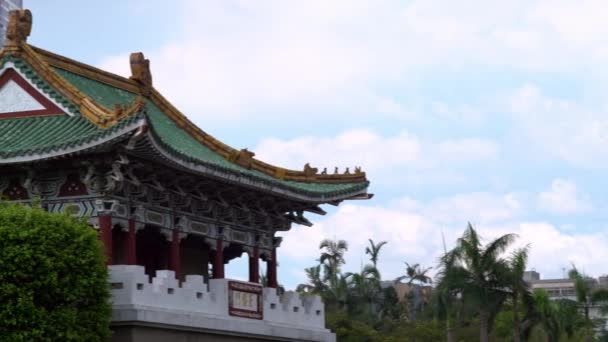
<point x="520" y="289"/>
<point x="315" y="283"/>
<point x="479" y="273"/>
<point x="419" y="331"/>
<point x="545" y="317"/>
<point x="53" y="281"/>
<point x="415" y="274"/>
<point x="363" y="289"/>
<point x="391" y="308"/>
<point x="587" y="296"/>
<point x="374" y="251"/>
<point x="332" y="258"/>
<point x="350" y="330"/>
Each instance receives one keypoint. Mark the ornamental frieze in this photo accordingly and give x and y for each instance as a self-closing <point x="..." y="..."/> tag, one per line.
<point x="15" y="191"/>
<point x="73" y="186"/>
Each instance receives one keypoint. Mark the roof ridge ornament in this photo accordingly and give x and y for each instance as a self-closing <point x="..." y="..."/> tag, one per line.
<point x="19" y="27"/>
<point x="140" y="72"/>
<point x="310" y="171"/>
<point x="243" y="158"/>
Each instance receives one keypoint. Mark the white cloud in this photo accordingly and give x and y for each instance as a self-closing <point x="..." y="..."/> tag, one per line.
<point x="553" y="250"/>
<point x="413" y="228"/>
<point x="464" y="150"/>
<point x="374" y="152"/>
<point x="414" y="231"/>
<point x="362" y="146"/>
<point x="562" y="128"/>
<point x="234" y="57"/>
<point x="279" y="60"/>
<point x="563" y="198"/>
<point x="356" y="224"/>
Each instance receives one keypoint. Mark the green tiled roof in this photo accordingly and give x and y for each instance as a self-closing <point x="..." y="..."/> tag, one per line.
<point x="22" y="137"/>
<point x="47" y="134"/>
<point x="182" y="143"/>
<point x="35" y="135"/>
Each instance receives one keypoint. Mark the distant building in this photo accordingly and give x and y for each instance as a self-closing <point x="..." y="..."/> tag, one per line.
<point x="563" y="288"/>
<point x="530" y="276"/>
<point x="5" y="7"/>
<point x="555" y="288"/>
<point x="419" y="295"/>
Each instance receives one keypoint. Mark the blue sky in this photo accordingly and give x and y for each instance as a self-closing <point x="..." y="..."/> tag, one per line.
<point x="485" y="111"/>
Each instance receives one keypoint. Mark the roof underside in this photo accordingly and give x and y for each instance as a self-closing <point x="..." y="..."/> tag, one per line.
<point x="35" y="138"/>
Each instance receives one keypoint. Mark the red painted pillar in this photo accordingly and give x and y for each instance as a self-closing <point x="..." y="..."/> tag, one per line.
<point x="174" y="256"/>
<point x="130" y="245"/>
<point x="272" y="270"/>
<point x="218" y="260"/>
<point x="254" y="266"/>
<point x="105" y="234"/>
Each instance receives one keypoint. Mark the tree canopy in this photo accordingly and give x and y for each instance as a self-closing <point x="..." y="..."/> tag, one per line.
<point x="53" y="280"/>
<point x="478" y="293"/>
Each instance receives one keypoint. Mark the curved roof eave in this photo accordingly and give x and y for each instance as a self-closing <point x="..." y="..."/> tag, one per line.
<point x="261" y="182"/>
<point x="62" y="151"/>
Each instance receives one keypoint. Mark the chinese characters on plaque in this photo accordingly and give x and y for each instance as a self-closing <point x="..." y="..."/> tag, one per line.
<point x="245" y="300"/>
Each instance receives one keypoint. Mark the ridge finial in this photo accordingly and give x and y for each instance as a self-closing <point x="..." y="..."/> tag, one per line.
<point x="140" y="72"/>
<point x="19" y="27"/>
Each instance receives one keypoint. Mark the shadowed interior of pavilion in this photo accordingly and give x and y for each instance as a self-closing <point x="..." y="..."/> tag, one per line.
<point x="154" y="248"/>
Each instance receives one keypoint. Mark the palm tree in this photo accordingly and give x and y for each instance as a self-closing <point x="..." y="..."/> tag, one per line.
<point x="374" y="251"/>
<point x="520" y="289"/>
<point x="555" y="320"/>
<point x="315" y="283"/>
<point x="418" y="276"/>
<point x="332" y="258"/>
<point x="479" y="274"/>
<point x="587" y="296"/>
<point x="364" y="286"/>
<point x="544" y="314"/>
<point x="415" y="273"/>
<point x="336" y="296"/>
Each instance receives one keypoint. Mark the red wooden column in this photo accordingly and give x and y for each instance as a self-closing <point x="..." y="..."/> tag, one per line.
<point x="174" y="256"/>
<point x="105" y="234"/>
<point x="254" y="265"/>
<point x="272" y="270"/>
<point x="130" y="246"/>
<point x="218" y="260"/>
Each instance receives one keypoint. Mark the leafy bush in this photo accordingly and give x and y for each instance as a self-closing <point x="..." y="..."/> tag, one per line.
<point x="53" y="281"/>
<point x="349" y="330"/>
<point x="419" y="331"/>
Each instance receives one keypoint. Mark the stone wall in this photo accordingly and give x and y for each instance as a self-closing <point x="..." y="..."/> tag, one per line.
<point x="196" y="306"/>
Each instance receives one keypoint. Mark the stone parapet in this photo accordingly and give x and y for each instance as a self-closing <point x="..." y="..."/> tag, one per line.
<point x="197" y="305"/>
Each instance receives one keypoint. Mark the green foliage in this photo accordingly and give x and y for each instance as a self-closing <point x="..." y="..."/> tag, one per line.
<point x="53" y="281"/>
<point x="419" y="331"/>
<point x="478" y="273"/>
<point x="503" y="325"/>
<point x="481" y="295"/>
<point x="391" y="308"/>
<point x="374" y="251"/>
<point x="349" y="330"/>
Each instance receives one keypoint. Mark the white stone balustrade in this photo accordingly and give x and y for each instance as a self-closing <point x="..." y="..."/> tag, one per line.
<point x="131" y="289"/>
